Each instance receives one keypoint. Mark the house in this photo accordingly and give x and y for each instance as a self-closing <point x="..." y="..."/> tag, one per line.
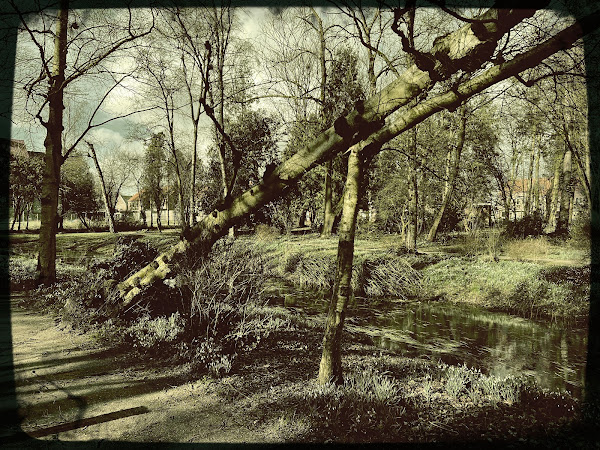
<point x="518" y="193"/>
<point x="19" y="149"/>
<point x="122" y="204"/>
<point x="133" y="202"/>
<point x="169" y="213"/>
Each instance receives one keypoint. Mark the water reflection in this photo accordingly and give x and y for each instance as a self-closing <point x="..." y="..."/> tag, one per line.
<point x="496" y="343"/>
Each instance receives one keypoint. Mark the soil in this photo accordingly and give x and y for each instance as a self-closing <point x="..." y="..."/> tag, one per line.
<point x="62" y="377"/>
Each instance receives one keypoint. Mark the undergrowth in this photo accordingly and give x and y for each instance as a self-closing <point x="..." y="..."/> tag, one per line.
<point x="521" y="287"/>
<point x="386" y="275"/>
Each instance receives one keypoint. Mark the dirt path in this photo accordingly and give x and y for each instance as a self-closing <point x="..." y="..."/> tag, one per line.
<point x="69" y="389"/>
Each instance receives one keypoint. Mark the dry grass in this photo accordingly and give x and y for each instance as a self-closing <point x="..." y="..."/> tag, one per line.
<point x="527" y="249"/>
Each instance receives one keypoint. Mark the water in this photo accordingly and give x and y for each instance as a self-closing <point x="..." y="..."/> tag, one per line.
<point x="496" y="343"/>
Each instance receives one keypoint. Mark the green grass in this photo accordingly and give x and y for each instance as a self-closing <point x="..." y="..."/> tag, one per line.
<point x="479" y="269"/>
<point x="515" y="286"/>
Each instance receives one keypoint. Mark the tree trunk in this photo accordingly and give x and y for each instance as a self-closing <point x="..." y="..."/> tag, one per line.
<point x="413" y="194"/>
<point x="107" y="206"/>
<point x="46" y="265"/>
<point x="329" y="143"/>
<point x="536" y="186"/>
<point x="566" y="192"/>
<point x="330" y="368"/>
<point x="452" y="164"/>
<point x="192" y="221"/>
<point x="551" y="215"/>
<point x="328" y="216"/>
<point x="16" y="213"/>
<point x="529" y="181"/>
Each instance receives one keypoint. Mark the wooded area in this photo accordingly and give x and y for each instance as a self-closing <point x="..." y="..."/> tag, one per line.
<point x="414" y="121"/>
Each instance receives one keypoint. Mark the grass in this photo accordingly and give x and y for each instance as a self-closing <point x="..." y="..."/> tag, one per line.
<point x="386" y="397"/>
<point x="525" y="288"/>
<point x="264" y="358"/>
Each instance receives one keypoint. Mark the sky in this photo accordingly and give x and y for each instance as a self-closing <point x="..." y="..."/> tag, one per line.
<point x="115" y="134"/>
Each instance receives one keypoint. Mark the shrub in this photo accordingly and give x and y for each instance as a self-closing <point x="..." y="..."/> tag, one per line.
<point x="129" y="256"/>
<point x="530" y="225"/>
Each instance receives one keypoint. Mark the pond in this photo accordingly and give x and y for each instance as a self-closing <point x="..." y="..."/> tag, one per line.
<point x="496" y="343"/>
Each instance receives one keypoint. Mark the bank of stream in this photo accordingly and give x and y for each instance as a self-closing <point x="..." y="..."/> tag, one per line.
<point x="497" y="343"/>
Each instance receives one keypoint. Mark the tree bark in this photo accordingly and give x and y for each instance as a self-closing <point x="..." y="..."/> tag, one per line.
<point x="328" y="216"/>
<point x="536" y="186"/>
<point x="329" y="143"/>
<point x="413" y="194"/>
<point x="452" y="164"/>
<point x="192" y="221"/>
<point x="46" y="265"/>
<point x="529" y="187"/>
<point x="555" y="192"/>
<point x="566" y="192"/>
<point x="107" y="205"/>
<point x="330" y="368"/>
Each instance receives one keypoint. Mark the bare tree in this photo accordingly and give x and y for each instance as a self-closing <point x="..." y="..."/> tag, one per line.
<point x="66" y="57"/>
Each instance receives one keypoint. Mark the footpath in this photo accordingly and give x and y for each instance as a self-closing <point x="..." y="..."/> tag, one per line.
<point x="68" y="389"/>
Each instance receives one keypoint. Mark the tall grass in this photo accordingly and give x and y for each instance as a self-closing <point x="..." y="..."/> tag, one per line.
<point x="527" y="249"/>
<point x="519" y="287"/>
<point x="367" y="403"/>
<point x="388" y="275"/>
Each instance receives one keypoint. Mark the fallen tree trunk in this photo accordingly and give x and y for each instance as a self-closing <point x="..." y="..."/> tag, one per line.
<point x="364" y="127"/>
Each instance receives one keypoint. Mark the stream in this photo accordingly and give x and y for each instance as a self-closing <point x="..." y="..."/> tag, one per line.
<point x="496" y="343"/>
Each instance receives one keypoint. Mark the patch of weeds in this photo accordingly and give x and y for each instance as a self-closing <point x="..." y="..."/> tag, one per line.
<point x="155" y="333"/>
<point x="367" y="404"/>
<point x="478" y="243"/>
<point x="22" y="273"/>
<point x="529" y="248"/>
<point x="289" y="427"/>
<point x="314" y="272"/>
<point x="264" y="232"/>
<point x="385" y="276"/>
<point x="457" y="378"/>
<point x="227" y="314"/>
<point x="290" y="262"/>
<point x="479" y="387"/>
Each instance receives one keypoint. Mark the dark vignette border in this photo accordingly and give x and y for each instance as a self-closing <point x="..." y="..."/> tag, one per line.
<point x="7" y="61"/>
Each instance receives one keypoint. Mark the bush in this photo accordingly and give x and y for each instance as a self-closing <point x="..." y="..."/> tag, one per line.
<point x="129" y="256"/>
<point x="128" y="223"/>
<point x="530" y="225"/>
